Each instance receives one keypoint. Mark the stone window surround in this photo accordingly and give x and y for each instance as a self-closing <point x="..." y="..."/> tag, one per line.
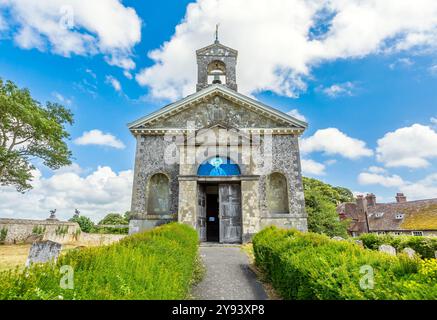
<point x="154" y="216"/>
<point x="148" y="186"/>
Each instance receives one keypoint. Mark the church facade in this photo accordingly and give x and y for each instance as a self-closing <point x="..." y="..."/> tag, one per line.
<point x="217" y="160"/>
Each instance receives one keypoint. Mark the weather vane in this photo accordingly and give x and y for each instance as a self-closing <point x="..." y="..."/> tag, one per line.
<point x="216" y="33"/>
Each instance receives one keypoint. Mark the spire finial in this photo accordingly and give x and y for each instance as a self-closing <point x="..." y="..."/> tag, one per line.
<point x="216" y="33"/>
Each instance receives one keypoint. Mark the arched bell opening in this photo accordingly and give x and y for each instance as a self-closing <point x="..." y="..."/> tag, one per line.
<point x="217" y="72"/>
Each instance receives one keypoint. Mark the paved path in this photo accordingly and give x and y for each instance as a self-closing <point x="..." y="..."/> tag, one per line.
<point x="228" y="276"/>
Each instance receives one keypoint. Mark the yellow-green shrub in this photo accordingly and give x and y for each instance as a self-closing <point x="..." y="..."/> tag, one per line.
<point x="424" y="246"/>
<point x="153" y="265"/>
<point x="310" y="266"/>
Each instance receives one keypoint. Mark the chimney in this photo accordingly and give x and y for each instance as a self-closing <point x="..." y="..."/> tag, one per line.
<point x="401" y="198"/>
<point x="363" y="222"/>
<point x="371" y="200"/>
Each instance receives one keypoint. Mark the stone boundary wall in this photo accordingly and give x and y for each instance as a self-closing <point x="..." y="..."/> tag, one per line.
<point x="24" y="231"/>
<point x="21" y="230"/>
<point x="92" y="239"/>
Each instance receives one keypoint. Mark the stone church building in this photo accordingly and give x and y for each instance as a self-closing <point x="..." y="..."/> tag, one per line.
<point x="217" y="160"/>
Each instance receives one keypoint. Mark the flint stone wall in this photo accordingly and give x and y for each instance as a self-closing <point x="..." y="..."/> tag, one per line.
<point x="151" y="151"/>
<point x="19" y="230"/>
<point x="149" y="161"/>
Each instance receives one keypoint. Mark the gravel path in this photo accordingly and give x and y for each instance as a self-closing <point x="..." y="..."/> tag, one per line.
<point x="228" y="276"/>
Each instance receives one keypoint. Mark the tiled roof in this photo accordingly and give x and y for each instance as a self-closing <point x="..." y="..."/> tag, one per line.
<point x="417" y="215"/>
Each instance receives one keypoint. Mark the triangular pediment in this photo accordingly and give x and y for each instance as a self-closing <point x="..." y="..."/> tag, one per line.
<point x="217" y="105"/>
<point x="217" y="49"/>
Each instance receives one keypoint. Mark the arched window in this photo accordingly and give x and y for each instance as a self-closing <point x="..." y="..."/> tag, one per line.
<point x="216" y="72"/>
<point x="218" y="166"/>
<point x="277" y="193"/>
<point x="159" y="195"/>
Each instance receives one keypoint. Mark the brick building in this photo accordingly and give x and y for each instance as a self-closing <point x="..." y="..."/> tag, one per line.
<point x="418" y="218"/>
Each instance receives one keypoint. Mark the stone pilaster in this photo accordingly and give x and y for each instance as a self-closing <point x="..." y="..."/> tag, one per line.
<point x="250" y="209"/>
<point x="188" y="203"/>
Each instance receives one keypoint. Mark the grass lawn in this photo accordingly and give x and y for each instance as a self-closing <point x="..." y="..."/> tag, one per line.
<point x="12" y="256"/>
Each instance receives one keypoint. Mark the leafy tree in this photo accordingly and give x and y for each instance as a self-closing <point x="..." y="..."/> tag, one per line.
<point x="85" y="223"/>
<point x="345" y="195"/>
<point x="113" y="219"/>
<point x="29" y="130"/>
<point x="128" y="216"/>
<point x="321" y="202"/>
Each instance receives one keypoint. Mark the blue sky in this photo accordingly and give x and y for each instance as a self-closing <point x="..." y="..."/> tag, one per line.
<point x="373" y="90"/>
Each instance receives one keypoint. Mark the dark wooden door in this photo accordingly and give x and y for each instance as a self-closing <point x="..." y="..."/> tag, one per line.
<point x="230" y="213"/>
<point x="201" y="212"/>
<point x="212" y="216"/>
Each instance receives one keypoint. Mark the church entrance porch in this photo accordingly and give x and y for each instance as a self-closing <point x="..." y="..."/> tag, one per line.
<point x="219" y="212"/>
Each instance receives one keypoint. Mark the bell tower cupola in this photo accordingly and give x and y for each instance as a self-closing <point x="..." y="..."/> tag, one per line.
<point x="216" y="65"/>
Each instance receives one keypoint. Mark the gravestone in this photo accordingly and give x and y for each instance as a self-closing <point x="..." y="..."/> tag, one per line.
<point x="44" y="251"/>
<point x="338" y="238"/>
<point x="387" y="249"/>
<point x="409" y="252"/>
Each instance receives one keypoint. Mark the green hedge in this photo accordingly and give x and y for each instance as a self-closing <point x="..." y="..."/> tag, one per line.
<point x="308" y="266"/>
<point x="424" y="246"/>
<point x="110" y="230"/>
<point x="155" y="265"/>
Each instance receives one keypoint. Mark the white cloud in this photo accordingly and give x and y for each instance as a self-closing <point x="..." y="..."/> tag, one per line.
<point x="312" y="167"/>
<point x="332" y="141"/>
<point x="340" y="89"/>
<point x="286" y="32"/>
<point x="422" y="189"/>
<point x="3" y="25"/>
<point x="128" y="75"/>
<point x="401" y="62"/>
<point x="91" y="73"/>
<point x="295" y="113"/>
<point x="366" y="178"/>
<point x="375" y="169"/>
<point x="411" y="147"/>
<point x="114" y="83"/>
<point x="73" y="168"/>
<point x="433" y="69"/>
<point x="97" y="137"/>
<point x="433" y="120"/>
<point x="62" y="99"/>
<point x="68" y="27"/>
<point x="359" y="193"/>
<point x="101" y="192"/>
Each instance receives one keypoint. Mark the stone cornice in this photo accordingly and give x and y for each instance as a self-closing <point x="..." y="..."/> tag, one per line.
<point x="176" y="132"/>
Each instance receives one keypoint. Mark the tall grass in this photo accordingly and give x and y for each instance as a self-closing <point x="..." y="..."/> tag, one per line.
<point x="314" y="267"/>
<point x="155" y="265"/>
